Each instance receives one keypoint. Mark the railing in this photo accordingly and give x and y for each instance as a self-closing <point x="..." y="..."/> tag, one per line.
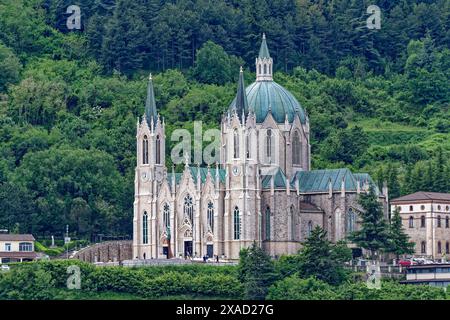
<point x="389" y="269"/>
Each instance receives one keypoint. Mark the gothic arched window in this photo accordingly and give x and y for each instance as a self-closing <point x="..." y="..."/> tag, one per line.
<point x="166" y="216"/>
<point x="310" y="228"/>
<point x="447" y="248"/>
<point x="145" y="150"/>
<point x="158" y="150"/>
<point x="145" y="228"/>
<point x="296" y="149"/>
<point x="439" y="221"/>
<point x="211" y="216"/>
<point x="236" y="223"/>
<point x="439" y="247"/>
<point x="247" y="145"/>
<point x="189" y="209"/>
<point x="351" y="220"/>
<point x="423" y="247"/>
<point x="236" y="143"/>
<point x="259" y="69"/>
<point x="447" y="222"/>
<point x="292" y="218"/>
<point x="265" y="68"/>
<point x="422" y="221"/>
<point x="269" y="144"/>
<point x="267" y="218"/>
<point x="411" y="222"/>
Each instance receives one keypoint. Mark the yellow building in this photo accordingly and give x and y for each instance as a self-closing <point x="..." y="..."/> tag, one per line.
<point x="17" y="248"/>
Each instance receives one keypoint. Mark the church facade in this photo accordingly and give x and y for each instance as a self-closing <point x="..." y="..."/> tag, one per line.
<point x="262" y="191"/>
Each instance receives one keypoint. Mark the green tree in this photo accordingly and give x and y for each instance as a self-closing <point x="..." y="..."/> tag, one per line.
<point x="374" y="233"/>
<point x="322" y="259"/>
<point x="214" y="65"/>
<point x="10" y="67"/>
<point x="256" y="272"/>
<point x="398" y="240"/>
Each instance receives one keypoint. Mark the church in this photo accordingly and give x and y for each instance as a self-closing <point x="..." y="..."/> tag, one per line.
<point x="263" y="190"/>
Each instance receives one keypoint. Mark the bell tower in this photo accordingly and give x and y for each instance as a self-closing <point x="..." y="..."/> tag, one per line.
<point x="150" y="172"/>
<point x="264" y="62"/>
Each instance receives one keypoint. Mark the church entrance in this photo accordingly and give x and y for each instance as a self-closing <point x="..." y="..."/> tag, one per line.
<point x="188" y="248"/>
<point x="209" y="250"/>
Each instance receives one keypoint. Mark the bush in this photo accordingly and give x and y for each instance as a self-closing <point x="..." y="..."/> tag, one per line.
<point x="295" y="288"/>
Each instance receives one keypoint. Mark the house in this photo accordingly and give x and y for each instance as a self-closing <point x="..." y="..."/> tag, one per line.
<point x="17" y="248"/>
<point x="426" y="219"/>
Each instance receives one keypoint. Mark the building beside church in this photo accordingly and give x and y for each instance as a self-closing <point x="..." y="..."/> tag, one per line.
<point x="426" y="220"/>
<point x="262" y="191"/>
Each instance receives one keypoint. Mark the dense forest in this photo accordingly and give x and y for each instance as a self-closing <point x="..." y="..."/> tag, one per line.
<point x="378" y="100"/>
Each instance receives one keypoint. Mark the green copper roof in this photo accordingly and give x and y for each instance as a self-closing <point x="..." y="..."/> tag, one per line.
<point x="268" y="96"/>
<point x="279" y="180"/>
<point x="150" y="104"/>
<point x="264" y="50"/>
<point x="318" y="180"/>
<point x="203" y="174"/>
<point x="241" y="104"/>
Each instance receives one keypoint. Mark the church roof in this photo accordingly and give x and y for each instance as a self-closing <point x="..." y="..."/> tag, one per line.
<point x="203" y="174"/>
<point x="150" y="104"/>
<point x="264" y="50"/>
<point x="268" y="96"/>
<point x="279" y="180"/>
<point x="317" y="181"/>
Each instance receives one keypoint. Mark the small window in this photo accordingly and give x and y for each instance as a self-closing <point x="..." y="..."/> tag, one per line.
<point x="439" y="247"/>
<point x="269" y="145"/>
<point x="422" y="221"/>
<point x="237" y="224"/>
<point x="439" y="207"/>
<point x="447" y="208"/>
<point x="439" y="221"/>
<point x="423" y="247"/>
<point x="7" y="246"/>
<point x="158" y="150"/>
<point x="268" y="223"/>
<point x="25" y="246"/>
<point x="399" y="208"/>
<point x="411" y="222"/>
<point x="310" y="228"/>
<point x="211" y="216"/>
<point x="447" y="248"/>
<point x="447" y="222"/>
<point x="411" y="208"/>
<point x="422" y="207"/>
<point x="236" y="144"/>
<point x="145" y="150"/>
<point x="145" y="228"/>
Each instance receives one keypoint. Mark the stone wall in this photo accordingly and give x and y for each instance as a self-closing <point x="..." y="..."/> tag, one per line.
<point x="108" y="251"/>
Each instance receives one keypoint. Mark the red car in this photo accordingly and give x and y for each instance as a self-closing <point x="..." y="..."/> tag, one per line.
<point x="404" y="263"/>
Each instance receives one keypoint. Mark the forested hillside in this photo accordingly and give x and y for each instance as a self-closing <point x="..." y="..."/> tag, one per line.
<point x="378" y="100"/>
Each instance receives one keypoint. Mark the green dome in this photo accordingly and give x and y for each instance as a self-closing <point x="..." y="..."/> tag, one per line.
<point x="265" y="95"/>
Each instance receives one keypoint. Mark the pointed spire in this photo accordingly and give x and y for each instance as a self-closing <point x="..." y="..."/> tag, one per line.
<point x="150" y="105"/>
<point x="264" y="50"/>
<point x="241" y="97"/>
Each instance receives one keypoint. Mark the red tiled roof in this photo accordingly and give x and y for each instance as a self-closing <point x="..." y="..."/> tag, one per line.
<point x="16" y="237"/>
<point x="18" y="254"/>
<point x="423" y="196"/>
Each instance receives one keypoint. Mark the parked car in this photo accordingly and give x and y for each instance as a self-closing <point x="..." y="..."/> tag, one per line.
<point x="4" y="267"/>
<point x="405" y="263"/>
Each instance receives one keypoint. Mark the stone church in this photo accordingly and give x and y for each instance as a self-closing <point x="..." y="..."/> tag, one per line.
<point x="262" y="191"/>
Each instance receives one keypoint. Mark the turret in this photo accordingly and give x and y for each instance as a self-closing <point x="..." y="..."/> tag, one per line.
<point x="264" y="63"/>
